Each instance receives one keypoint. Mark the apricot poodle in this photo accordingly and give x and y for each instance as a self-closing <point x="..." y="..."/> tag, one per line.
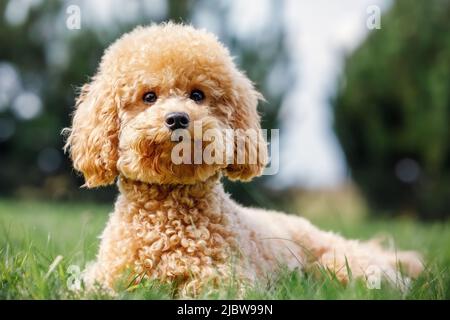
<point x="174" y="222"/>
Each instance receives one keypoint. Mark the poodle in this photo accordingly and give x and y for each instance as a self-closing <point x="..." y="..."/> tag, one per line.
<point x="173" y="221"/>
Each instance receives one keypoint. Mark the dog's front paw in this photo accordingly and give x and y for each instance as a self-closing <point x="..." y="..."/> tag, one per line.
<point x="96" y="279"/>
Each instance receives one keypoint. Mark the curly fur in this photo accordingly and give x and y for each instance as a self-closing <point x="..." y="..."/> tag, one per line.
<point x="175" y="222"/>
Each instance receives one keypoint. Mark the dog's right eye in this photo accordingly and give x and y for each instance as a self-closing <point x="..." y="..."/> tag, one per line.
<point x="149" y="97"/>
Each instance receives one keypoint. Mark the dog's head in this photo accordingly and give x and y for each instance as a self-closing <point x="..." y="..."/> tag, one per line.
<point x="152" y="83"/>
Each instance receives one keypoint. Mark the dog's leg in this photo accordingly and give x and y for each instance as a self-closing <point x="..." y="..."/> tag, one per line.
<point x="345" y="258"/>
<point x="116" y="253"/>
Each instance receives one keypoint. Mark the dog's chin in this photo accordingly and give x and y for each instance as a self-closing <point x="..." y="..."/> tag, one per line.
<point x="183" y="174"/>
<point x="157" y="167"/>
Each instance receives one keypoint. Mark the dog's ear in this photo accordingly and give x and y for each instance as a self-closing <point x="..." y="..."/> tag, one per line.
<point x="93" y="138"/>
<point x="250" y="147"/>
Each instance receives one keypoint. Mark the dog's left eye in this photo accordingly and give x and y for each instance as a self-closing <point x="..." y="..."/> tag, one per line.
<point x="197" y="95"/>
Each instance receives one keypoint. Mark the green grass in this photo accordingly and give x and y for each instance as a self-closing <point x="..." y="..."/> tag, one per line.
<point x="34" y="234"/>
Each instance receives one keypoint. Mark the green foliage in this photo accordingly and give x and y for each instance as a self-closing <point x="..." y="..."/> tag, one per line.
<point x="33" y="234"/>
<point x="394" y="104"/>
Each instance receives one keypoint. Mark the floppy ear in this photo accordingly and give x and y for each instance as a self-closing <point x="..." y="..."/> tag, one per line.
<point x="247" y="131"/>
<point x="93" y="138"/>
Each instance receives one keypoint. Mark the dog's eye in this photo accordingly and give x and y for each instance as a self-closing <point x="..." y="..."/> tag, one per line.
<point x="197" y="95"/>
<point x="149" y="97"/>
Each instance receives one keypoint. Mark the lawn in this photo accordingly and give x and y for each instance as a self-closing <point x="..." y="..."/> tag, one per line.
<point x="39" y="241"/>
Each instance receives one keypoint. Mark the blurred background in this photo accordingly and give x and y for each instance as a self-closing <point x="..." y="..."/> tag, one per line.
<point x="363" y="112"/>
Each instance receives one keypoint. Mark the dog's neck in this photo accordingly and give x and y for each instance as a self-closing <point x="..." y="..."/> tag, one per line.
<point x="189" y="203"/>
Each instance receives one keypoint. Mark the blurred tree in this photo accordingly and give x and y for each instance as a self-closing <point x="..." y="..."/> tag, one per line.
<point x="392" y="110"/>
<point x="31" y="159"/>
<point x="50" y="62"/>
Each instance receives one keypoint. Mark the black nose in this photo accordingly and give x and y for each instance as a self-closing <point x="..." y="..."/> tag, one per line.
<point x="177" y="120"/>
